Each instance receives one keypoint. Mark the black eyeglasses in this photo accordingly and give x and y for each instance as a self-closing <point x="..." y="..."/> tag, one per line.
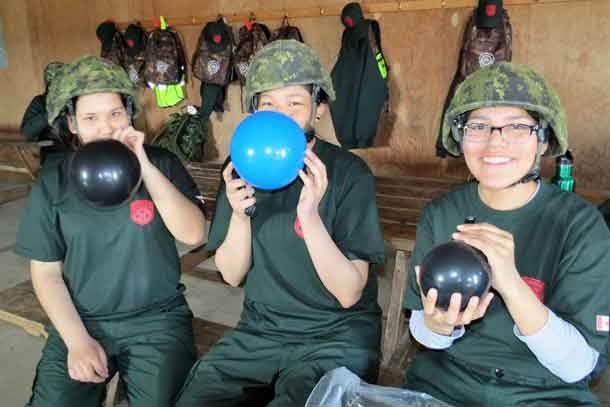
<point x="514" y="133"/>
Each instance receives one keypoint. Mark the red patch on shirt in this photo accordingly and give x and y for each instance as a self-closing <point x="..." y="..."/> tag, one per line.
<point x="348" y="21"/>
<point x="537" y="286"/>
<point x="490" y="10"/>
<point x="603" y="323"/>
<point x="142" y="211"/>
<point x="297" y="228"/>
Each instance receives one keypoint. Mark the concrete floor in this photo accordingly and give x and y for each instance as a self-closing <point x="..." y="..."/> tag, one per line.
<point x="20" y="351"/>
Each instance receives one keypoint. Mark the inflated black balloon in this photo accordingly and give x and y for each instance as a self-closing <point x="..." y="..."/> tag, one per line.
<point x="455" y="267"/>
<point x="105" y="172"/>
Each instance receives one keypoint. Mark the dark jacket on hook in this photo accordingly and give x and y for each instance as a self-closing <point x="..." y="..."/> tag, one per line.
<point x="35" y="127"/>
<point x="359" y="83"/>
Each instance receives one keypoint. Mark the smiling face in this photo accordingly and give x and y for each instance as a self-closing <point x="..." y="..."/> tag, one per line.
<point x="498" y="164"/>
<point x="293" y="101"/>
<point x="98" y="116"/>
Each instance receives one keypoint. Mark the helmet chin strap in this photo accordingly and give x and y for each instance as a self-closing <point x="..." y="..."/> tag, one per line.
<point x="309" y="129"/>
<point x="534" y="172"/>
<point x="76" y="141"/>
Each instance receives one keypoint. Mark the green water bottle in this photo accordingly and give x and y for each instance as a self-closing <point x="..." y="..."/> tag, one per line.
<point x="563" y="174"/>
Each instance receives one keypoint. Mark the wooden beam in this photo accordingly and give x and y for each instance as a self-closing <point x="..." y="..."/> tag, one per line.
<point x="25" y="158"/>
<point x="12" y="193"/>
<point x="31" y="327"/>
<point x="12" y="168"/>
<point x="398" y="6"/>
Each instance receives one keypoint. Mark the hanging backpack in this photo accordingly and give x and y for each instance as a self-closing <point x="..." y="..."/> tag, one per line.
<point x="487" y="40"/>
<point x="165" y="63"/>
<point x="113" y="47"/>
<point x="184" y="134"/>
<point x="252" y="37"/>
<point x="287" y="32"/>
<point x="211" y="62"/>
<point x="485" y="46"/>
<point x="135" y="41"/>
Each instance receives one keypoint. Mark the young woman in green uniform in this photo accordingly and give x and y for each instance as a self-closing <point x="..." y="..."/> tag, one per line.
<point x="311" y="303"/>
<point x="536" y="338"/>
<point x="108" y="278"/>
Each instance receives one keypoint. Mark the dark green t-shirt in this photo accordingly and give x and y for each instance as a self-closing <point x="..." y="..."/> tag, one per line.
<point x="116" y="261"/>
<point x="284" y="295"/>
<point x="561" y="245"/>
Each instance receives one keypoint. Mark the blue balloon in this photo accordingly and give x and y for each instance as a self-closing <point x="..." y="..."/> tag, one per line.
<point x="268" y="150"/>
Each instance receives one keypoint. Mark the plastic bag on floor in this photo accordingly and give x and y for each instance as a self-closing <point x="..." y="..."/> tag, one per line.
<point x="341" y="388"/>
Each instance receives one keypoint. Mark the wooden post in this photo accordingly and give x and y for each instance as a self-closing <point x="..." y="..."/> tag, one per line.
<point x="395" y="319"/>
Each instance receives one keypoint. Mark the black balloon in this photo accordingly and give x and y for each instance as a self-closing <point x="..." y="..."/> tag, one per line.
<point x="105" y="172"/>
<point x="455" y="267"/>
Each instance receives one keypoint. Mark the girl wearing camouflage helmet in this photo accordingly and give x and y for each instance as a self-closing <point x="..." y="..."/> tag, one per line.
<point x="311" y="303"/>
<point x="537" y="337"/>
<point x="108" y="278"/>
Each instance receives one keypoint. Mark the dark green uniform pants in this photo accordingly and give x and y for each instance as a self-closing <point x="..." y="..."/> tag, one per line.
<point x="470" y="385"/>
<point x="247" y="369"/>
<point x="152" y="352"/>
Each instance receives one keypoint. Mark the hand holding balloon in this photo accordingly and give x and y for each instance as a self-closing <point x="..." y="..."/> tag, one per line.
<point x="315" y="182"/>
<point x="444" y="322"/>
<point x="499" y="248"/>
<point x="455" y="267"/>
<point x="135" y="141"/>
<point x="239" y="193"/>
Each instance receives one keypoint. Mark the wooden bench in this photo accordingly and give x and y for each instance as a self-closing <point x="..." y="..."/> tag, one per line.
<point x="19" y="164"/>
<point x="399" y="201"/>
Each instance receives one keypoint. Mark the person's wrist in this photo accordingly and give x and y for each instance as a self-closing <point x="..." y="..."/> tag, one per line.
<point x="241" y="216"/>
<point x="438" y="328"/>
<point x="145" y="165"/>
<point x="512" y="288"/>
<point x="77" y="341"/>
<point x="309" y="219"/>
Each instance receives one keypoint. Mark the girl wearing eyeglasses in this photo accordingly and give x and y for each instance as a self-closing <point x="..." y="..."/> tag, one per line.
<point x="536" y="338"/>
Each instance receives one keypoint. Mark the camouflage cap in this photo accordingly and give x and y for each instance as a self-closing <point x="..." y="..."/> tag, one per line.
<point x="51" y="71"/>
<point x="507" y="84"/>
<point x="87" y="75"/>
<point x="285" y="63"/>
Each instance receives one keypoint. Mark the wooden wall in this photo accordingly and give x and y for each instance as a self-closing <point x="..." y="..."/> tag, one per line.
<point x="568" y="42"/>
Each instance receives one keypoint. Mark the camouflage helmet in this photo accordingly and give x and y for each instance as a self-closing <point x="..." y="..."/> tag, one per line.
<point x="84" y="76"/>
<point x="507" y="84"/>
<point x="51" y="71"/>
<point x="285" y="63"/>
